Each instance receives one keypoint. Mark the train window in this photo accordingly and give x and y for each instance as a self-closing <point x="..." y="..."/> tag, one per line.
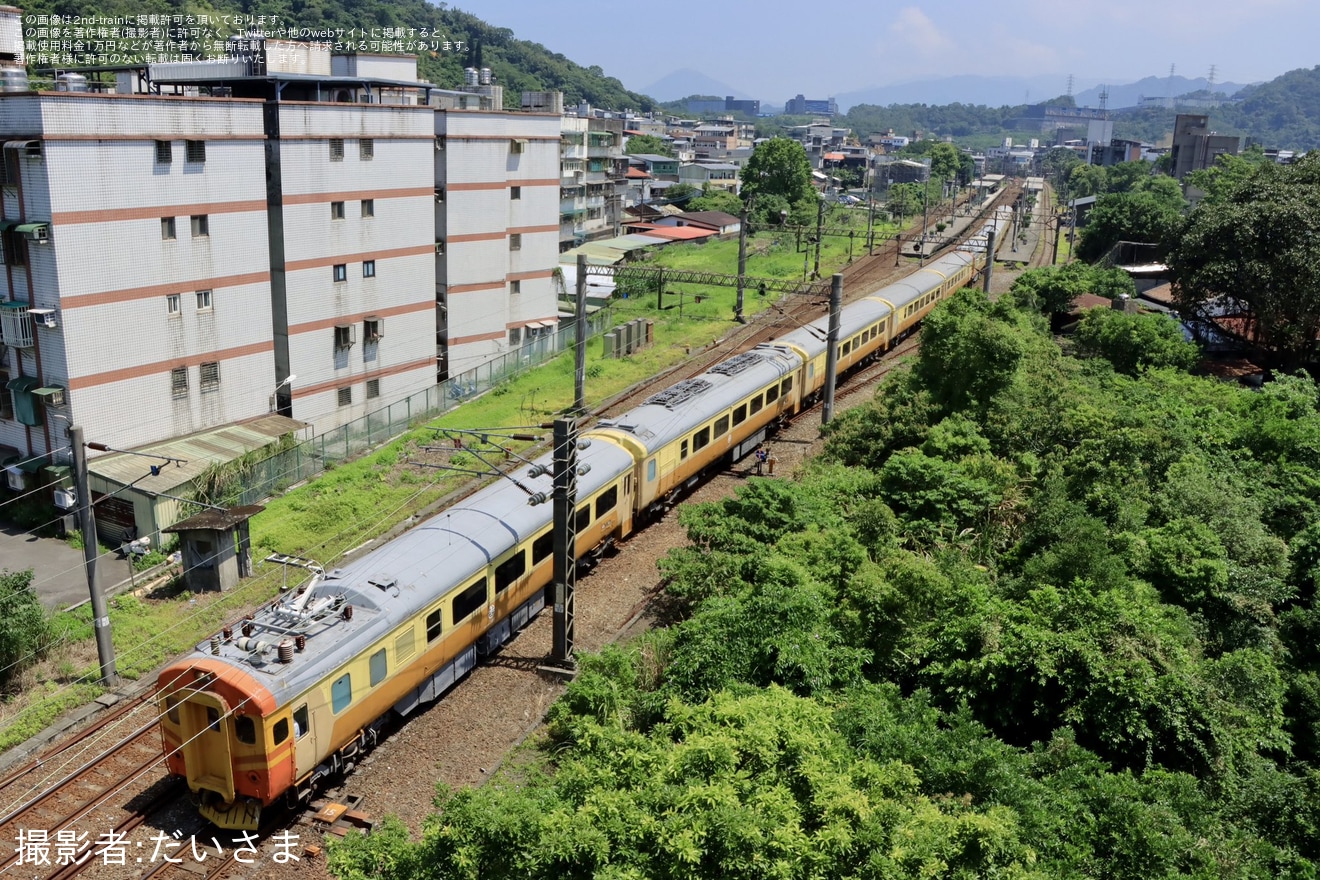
<point x="172" y="708"/>
<point x="542" y="547"/>
<point x="280" y="732"/>
<point x="721" y="426"/>
<point x="245" y="729"/>
<point x="845" y="348"/>
<point x="772" y="394"/>
<point x="404" y="645"/>
<point x="300" y="726"/>
<point x="379" y="667"/>
<point x="740" y="414"/>
<point x="811" y="370"/>
<point x="606" y="501"/>
<point x="650" y="470"/>
<point x="683" y="449"/>
<point x="755" y="405"/>
<point x="433" y="625"/>
<point x="470" y="600"/>
<point x="510" y="570"/>
<point x="701" y="438"/>
<point x="583" y="518"/>
<point x="213" y="719"/>
<point x="786" y="385"/>
<point x="341" y="693"/>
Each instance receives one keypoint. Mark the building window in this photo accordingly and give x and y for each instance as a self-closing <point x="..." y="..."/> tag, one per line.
<point x="15" y="246"/>
<point x="515" y="241"/>
<point x="336" y="210"/>
<point x="368" y="268"/>
<point x="344" y="336"/>
<point x="515" y="287"/>
<point x="201" y="225"/>
<point x="167" y="232"/>
<point x="373" y="389"/>
<point x="346" y="396"/>
<point x="173" y="304"/>
<point x="336" y="149"/>
<point x="440" y="194"/>
<point x="164" y="152"/>
<point x="515" y="193"/>
<point x="210" y="376"/>
<point x="366" y="149"/>
<point x="368" y="207"/>
<point x="179" y="382"/>
<point x="372" y="329"/>
<point x="194" y="151"/>
<point x="203" y="300"/>
<point x="341" y="271"/>
<point x="515" y="336"/>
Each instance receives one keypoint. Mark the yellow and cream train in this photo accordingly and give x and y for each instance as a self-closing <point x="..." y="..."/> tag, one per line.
<point x="299" y="690"/>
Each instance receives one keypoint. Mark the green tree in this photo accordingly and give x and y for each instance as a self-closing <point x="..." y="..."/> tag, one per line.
<point x="1253" y="248"/>
<point x="1135" y="342"/>
<point x="1087" y="180"/>
<point x="639" y="144"/>
<point x="945" y="160"/>
<point x="681" y="193"/>
<point x="906" y="199"/>
<point x="716" y="200"/>
<point x="1053" y="288"/>
<point x="1138" y="216"/>
<point x="25" y="631"/>
<point x="778" y="167"/>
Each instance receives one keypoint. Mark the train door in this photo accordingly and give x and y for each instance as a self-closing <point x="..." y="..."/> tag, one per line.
<point x="304" y="743"/>
<point x="205" y="724"/>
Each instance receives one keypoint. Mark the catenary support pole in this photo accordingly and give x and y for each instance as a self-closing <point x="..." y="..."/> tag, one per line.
<point x="820" y="220"/>
<point x="989" y="260"/>
<point x="580" y="342"/>
<point x="742" y="268"/>
<point x="832" y="348"/>
<point x="565" y="538"/>
<point x="105" y="648"/>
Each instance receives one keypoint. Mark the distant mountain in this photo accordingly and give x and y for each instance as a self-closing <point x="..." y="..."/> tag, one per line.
<point x="1130" y="94"/>
<point x="992" y="91"/>
<point x="682" y="83"/>
<point x="1284" y="112"/>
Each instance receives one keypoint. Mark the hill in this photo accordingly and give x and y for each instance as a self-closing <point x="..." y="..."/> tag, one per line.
<point x="517" y="64"/>
<point x="1284" y="112"/>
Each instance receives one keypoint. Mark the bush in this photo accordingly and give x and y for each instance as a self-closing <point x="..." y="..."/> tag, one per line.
<point x="25" y="633"/>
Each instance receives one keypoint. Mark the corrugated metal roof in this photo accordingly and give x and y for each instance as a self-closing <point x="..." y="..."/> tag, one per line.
<point x="199" y="451"/>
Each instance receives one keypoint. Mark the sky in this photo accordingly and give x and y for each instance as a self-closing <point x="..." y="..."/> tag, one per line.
<point x="775" y="49"/>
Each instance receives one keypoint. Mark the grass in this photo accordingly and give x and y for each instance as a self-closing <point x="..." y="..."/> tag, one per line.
<point x="363" y="498"/>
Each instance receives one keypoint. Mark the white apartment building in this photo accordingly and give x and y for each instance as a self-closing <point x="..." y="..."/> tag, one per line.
<point x="137" y="281"/>
<point x="497" y="180"/>
<point x="353" y="256"/>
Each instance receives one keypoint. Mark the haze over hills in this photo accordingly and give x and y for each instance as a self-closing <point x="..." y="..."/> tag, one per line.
<point x="685" y="82"/>
<point x="1000" y="91"/>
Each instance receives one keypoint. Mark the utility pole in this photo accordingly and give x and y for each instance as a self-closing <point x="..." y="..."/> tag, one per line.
<point x="870" y="223"/>
<point x="660" y="291"/>
<point x="580" y="349"/>
<point x="820" y="219"/>
<point x="832" y="348"/>
<point x="989" y="260"/>
<point x="105" y="648"/>
<point x="565" y="538"/>
<point x="925" y="208"/>
<point x="742" y="267"/>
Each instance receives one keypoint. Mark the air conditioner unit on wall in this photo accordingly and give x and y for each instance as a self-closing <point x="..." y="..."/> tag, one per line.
<point x="44" y="318"/>
<point x="39" y="234"/>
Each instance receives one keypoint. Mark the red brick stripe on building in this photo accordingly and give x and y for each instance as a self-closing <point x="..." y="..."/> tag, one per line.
<point x="354" y="195"/>
<point x="118" y="296"/>
<point x="335" y="259"/>
<point x="360" y="378"/>
<point x="155" y="212"/>
<point x="226" y="354"/>
<point x="392" y="311"/>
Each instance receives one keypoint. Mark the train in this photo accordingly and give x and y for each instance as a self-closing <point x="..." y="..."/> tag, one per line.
<point x="299" y="690"/>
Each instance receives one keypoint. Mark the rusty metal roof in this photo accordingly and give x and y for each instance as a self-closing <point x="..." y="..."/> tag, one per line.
<point x="199" y="452"/>
<point x="216" y="520"/>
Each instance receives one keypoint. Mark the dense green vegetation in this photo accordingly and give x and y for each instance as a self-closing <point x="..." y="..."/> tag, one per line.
<point x="517" y="64"/>
<point x="1028" y="617"/>
<point x="25" y="633"/>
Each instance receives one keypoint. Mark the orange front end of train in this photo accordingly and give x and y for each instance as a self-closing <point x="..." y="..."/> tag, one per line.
<point x="220" y="736"/>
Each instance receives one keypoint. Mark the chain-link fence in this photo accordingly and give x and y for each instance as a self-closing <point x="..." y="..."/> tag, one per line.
<point x="310" y="457"/>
